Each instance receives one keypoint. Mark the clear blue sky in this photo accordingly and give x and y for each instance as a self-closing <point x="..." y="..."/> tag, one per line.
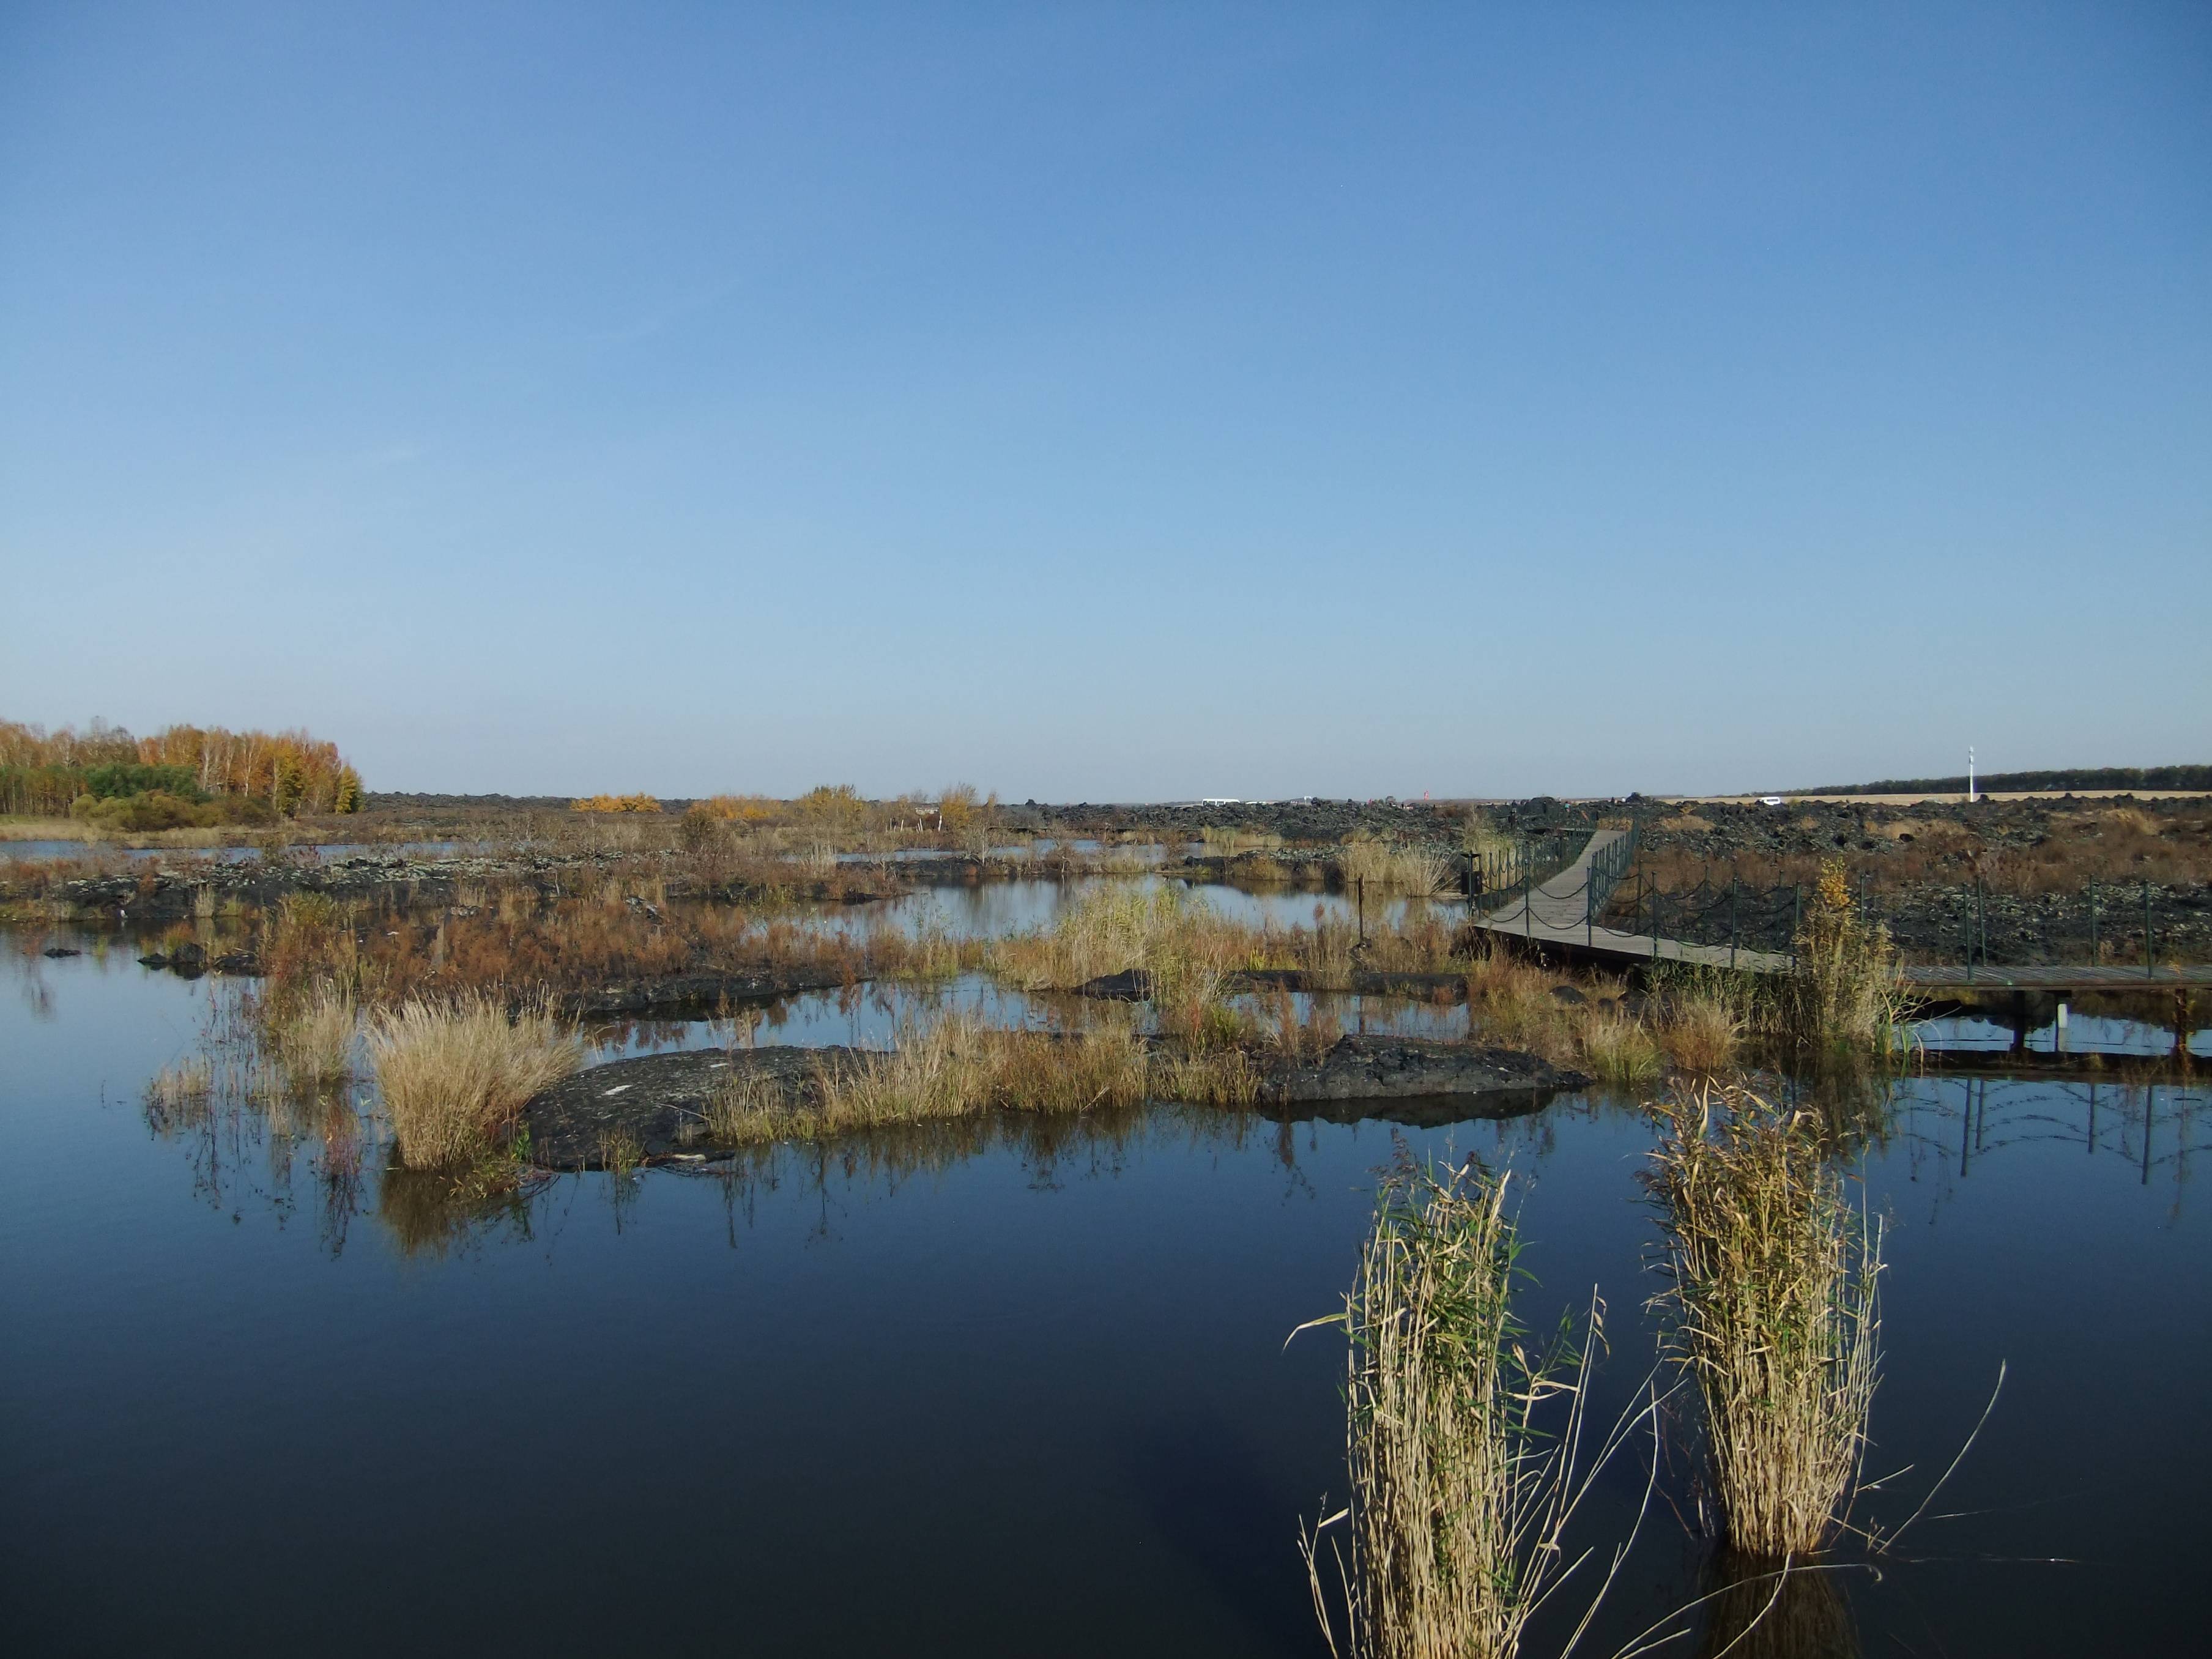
<point x="1113" y="402"/>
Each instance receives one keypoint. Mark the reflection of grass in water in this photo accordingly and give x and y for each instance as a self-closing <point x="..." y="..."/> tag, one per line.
<point x="1758" y="1613"/>
<point x="181" y="1095"/>
<point x="427" y="1213"/>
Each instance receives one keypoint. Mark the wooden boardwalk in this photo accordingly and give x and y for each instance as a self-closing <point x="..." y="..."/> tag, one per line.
<point x="1556" y="914"/>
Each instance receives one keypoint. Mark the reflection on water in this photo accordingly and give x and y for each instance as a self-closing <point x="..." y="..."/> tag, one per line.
<point x="997" y="909"/>
<point x="2083" y="1034"/>
<point x="1761" y="1611"/>
<point x="1046" y="1356"/>
<point x="871" y="1013"/>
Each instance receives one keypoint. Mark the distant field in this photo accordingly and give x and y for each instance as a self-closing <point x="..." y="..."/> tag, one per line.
<point x="1848" y="798"/>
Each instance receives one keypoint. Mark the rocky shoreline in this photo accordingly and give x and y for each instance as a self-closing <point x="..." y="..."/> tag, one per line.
<point x="170" y="893"/>
<point x="656" y="1103"/>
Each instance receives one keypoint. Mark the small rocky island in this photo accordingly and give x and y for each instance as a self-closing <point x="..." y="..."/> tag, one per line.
<point x="656" y="1103"/>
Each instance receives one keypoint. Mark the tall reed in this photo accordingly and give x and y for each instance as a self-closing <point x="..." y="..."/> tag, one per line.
<point x="1459" y="1496"/>
<point x="1845" y="993"/>
<point x="1390" y="869"/>
<point x="1770" y="1305"/>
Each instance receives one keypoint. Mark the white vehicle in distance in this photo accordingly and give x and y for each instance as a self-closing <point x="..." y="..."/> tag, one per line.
<point x="1772" y="801"/>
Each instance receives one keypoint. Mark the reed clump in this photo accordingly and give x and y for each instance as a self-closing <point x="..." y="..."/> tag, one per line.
<point x="1386" y="868"/>
<point x="454" y="1073"/>
<point x="1770" y="1307"/>
<point x="310" y="1038"/>
<point x="1618" y="1049"/>
<point x="1846" y="994"/>
<point x="1157" y="931"/>
<point x="1705" y="1017"/>
<point x="1459" y="1494"/>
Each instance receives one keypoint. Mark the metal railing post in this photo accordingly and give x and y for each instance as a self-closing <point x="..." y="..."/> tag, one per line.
<point x="1732" y="928"/>
<point x="2150" y="954"/>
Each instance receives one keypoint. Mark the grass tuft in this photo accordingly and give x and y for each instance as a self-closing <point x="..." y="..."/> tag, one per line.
<point x="1772" y="1307"/>
<point x="455" y="1074"/>
<point x="1459" y="1496"/>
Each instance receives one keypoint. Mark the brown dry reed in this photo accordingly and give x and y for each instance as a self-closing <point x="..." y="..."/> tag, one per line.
<point x="1385" y="867"/>
<point x="310" y="1038"/>
<point x="1770" y="1306"/>
<point x="455" y="1074"/>
<point x="955" y="1067"/>
<point x="1845" y="994"/>
<point x="960" y="1066"/>
<point x="1460" y="1496"/>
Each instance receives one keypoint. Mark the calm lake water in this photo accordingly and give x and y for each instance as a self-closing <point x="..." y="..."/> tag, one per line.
<point x="989" y="1393"/>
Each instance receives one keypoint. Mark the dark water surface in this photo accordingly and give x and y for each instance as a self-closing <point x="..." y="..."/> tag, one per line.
<point x="992" y="1392"/>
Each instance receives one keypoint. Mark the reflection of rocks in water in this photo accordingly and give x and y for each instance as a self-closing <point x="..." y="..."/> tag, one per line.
<point x="1760" y="1612"/>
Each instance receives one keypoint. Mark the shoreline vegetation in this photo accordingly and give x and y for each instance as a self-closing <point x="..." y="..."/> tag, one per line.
<point x="1150" y="996"/>
<point x="2015" y="880"/>
<point x="1465" y="1427"/>
<point x="542" y="914"/>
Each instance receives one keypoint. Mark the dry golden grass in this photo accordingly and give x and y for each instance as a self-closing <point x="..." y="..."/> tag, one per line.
<point x="1459" y="1497"/>
<point x="747" y="1109"/>
<point x="1771" y="1307"/>
<point x="1205" y="1077"/>
<point x="311" y="1039"/>
<point x="1386" y="868"/>
<point x="1619" y="1050"/>
<point x="1158" y="931"/>
<point x="958" y="1065"/>
<point x="1846" y="994"/>
<point x="1703" y="1029"/>
<point x="455" y="1074"/>
<point x="1230" y="843"/>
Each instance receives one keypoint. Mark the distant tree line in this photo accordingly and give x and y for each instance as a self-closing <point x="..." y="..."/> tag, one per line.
<point x="2190" y="778"/>
<point x="182" y="775"/>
